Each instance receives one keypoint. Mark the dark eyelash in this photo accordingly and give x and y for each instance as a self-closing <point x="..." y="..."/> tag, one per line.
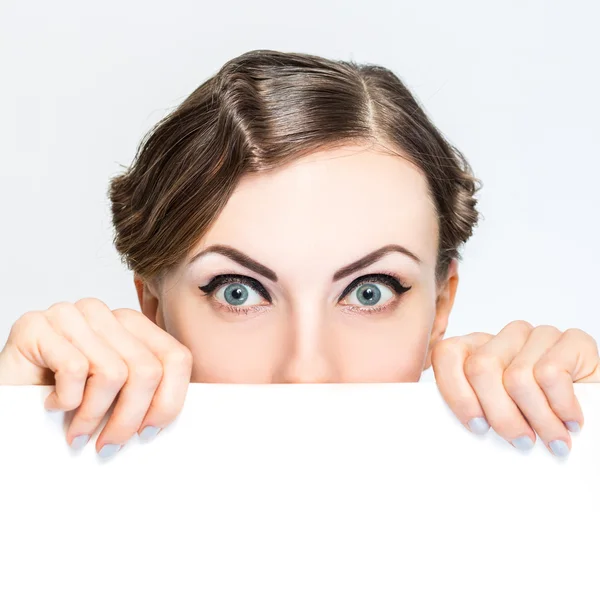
<point x="220" y="280"/>
<point x="386" y="278"/>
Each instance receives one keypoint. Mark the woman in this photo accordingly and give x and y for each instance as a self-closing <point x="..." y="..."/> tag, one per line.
<point x="294" y="220"/>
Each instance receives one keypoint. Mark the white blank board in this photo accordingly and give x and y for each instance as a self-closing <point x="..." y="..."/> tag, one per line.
<point x="298" y="491"/>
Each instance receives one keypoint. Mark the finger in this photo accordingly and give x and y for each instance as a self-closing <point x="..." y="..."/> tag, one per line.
<point x="33" y="339"/>
<point x="573" y="358"/>
<point x="177" y="364"/>
<point x="106" y="371"/>
<point x="447" y="359"/>
<point x="521" y="384"/>
<point x="485" y="368"/>
<point x="47" y="349"/>
<point x="144" y="372"/>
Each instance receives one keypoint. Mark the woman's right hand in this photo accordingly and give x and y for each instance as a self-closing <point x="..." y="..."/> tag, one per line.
<point x="93" y="356"/>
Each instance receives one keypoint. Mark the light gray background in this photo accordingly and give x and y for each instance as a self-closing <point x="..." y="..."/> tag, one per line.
<point x="514" y="85"/>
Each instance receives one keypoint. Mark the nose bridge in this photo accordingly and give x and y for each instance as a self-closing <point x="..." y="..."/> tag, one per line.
<point x="306" y="350"/>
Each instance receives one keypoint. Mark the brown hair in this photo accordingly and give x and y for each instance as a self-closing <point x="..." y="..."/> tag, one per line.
<point x="261" y="110"/>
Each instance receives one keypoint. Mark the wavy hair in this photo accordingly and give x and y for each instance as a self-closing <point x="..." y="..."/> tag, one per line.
<point x="261" y="110"/>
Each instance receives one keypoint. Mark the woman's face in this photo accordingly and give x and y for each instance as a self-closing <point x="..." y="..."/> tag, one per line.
<point x="322" y="271"/>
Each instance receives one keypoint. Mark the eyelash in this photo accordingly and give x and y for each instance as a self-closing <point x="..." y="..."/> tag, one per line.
<point x="389" y="279"/>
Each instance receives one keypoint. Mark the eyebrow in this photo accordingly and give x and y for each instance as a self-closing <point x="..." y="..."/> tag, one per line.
<point x="372" y="257"/>
<point x="238" y="257"/>
<point x="253" y="265"/>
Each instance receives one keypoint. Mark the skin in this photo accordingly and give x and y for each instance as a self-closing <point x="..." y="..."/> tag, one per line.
<point x="303" y="222"/>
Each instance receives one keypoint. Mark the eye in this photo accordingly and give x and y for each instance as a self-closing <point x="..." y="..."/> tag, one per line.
<point x="237" y="294"/>
<point x="236" y="290"/>
<point x="370" y="294"/>
<point x="373" y="290"/>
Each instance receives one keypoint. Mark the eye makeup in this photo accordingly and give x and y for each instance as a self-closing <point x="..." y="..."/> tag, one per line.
<point x="391" y="280"/>
<point x="386" y="278"/>
<point x="220" y="280"/>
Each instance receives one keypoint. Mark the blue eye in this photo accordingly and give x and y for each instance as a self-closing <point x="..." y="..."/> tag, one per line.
<point x="369" y="294"/>
<point x="236" y="290"/>
<point x="373" y="290"/>
<point x="237" y="294"/>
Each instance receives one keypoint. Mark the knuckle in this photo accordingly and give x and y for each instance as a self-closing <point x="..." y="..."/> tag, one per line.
<point x="89" y="416"/>
<point x="574" y="332"/>
<point x="90" y="303"/>
<point x="124" y="314"/>
<point x="114" y="375"/>
<point x="549" y="328"/>
<point x="148" y="371"/>
<point x="165" y="412"/>
<point x="179" y="357"/>
<point x="68" y="405"/>
<point x="28" y="322"/>
<point x="522" y="324"/>
<point x="547" y="373"/>
<point x="580" y="337"/>
<point x="446" y="347"/>
<point x="77" y="368"/>
<point x="518" y="377"/>
<point x="480" y="364"/>
<point x="168" y="413"/>
<point x="61" y="309"/>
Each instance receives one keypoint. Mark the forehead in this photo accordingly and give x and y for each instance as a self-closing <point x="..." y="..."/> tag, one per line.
<point x="329" y="208"/>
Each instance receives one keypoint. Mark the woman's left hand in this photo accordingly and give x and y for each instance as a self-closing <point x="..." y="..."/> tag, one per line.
<point x="519" y="382"/>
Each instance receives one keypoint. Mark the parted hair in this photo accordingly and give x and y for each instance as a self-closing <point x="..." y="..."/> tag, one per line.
<point x="261" y="110"/>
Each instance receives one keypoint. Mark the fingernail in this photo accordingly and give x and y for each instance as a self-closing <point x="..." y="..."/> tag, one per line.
<point x="149" y="433"/>
<point x="573" y="426"/>
<point x="479" y="425"/>
<point x="109" y="450"/>
<point x="79" y="442"/>
<point x="523" y="443"/>
<point x="559" y="448"/>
